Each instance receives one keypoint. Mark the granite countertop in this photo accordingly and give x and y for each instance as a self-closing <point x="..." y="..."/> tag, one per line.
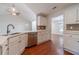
<point x="4" y="37"/>
<point x="2" y="40"/>
<point x="71" y="32"/>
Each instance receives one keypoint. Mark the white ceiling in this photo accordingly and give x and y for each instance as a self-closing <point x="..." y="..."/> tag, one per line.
<point x="25" y="12"/>
<point x="46" y="8"/>
<point x="29" y="10"/>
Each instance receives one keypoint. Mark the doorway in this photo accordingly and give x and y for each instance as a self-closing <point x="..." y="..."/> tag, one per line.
<point x="57" y="32"/>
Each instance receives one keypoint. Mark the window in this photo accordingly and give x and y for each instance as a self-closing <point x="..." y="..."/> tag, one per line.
<point x="57" y="24"/>
<point x="33" y="25"/>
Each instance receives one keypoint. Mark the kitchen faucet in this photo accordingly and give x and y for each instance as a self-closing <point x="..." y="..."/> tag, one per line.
<point x="8" y="31"/>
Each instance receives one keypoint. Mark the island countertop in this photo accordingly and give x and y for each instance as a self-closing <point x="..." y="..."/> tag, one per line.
<point x="3" y="38"/>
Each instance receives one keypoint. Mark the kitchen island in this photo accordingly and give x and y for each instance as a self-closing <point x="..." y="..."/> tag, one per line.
<point x="13" y="44"/>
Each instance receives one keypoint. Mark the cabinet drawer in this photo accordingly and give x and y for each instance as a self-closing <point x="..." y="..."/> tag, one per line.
<point x="5" y="44"/>
<point x="14" y="39"/>
<point x="75" y="46"/>
<point x="5" y="51"/>
<point x="75" y="36"/>
<point x="14" y="43"/>
<point x="13" y="50"/>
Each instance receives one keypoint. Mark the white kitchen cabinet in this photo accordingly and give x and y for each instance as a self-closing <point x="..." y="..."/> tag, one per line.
<point x="71" y="43"/>
<point x="25" y="37"/>
<point x="41" y="21"/>
<point x="16" y="44"/>
<point x="22" y="43"/>
<point x="42" y="37"/>
<point x="68" y="42"/>
<point x="13" y="49"/>
<point x="5" y="48"/>
<point x="71" y="15"/>
<point x="42" y="33"/>
<point x="13" y="45"/>
<point x="78" y="14"/>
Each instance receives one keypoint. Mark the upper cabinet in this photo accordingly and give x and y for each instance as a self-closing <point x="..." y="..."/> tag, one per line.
<point x="42" y="21"/>
<point x="71" y="15"/>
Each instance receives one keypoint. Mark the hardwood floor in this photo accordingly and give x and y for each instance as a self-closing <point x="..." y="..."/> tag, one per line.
<point x="47" y="48"/>
<point x="52" y="47"/>
<point x="67" y="53"/>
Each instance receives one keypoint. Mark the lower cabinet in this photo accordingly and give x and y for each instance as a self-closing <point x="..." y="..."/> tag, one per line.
<point x="42" y="37"/>
<point x="17" y="45"/>
<point x="4" y="48"/>
<point x="71" y="43"/>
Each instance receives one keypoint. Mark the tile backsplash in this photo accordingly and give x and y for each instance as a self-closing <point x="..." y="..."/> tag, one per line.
<point x="73" y="27"/>
<point x="41" y="27"/>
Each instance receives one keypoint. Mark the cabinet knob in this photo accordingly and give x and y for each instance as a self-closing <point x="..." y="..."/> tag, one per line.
<point x="77" y="41"/>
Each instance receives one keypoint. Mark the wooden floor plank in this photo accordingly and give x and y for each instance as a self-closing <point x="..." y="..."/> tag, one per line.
<point x="47" y="48"/>
<point x="67" y="53"/>
<point x="52" y="47"/>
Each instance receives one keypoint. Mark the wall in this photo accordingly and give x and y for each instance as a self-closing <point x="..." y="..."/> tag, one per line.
<point x="60" y="12"/>
<point x="19" y="23"/>
<point x="23" y="22"/>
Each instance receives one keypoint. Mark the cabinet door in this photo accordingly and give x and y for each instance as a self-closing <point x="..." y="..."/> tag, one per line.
<point x="75" y="45"/>
<point x="70" y="15"/>
<point x="77" y="15"/>
<point x="13" y="46"/>
<point x="42" y="37"/>
<point x="26" y="40"/>
<point x="67" y="41"/>
<point x="22" y="43"/>
<point x="71" y="42"/>
<point x="12" y="50"/>
<point x="5" y="51"/>
<point x="42" y="21"/>
<point x="19" y="47"/>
